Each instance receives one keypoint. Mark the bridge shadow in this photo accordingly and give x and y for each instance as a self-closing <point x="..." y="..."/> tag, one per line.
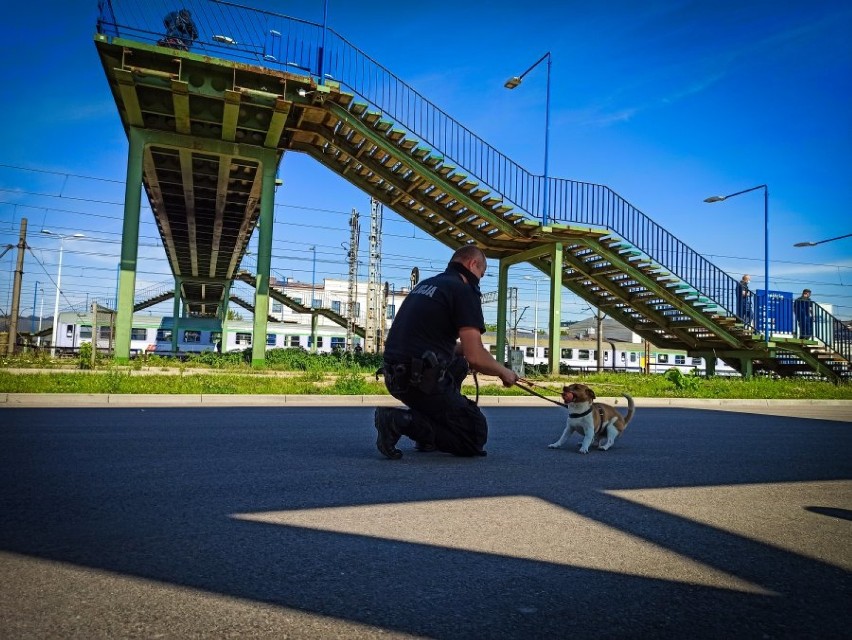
<point x="162" y="494"/>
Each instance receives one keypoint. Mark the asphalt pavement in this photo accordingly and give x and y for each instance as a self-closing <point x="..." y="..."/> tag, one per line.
<point x="203" y="519"/>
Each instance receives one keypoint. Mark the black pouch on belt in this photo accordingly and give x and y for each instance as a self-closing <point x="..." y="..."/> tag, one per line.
<point x="430" y="372"/>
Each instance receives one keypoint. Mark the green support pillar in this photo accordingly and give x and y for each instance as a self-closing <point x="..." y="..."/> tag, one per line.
<point x="223" y="317"/>
<point x="555" y="326"/>
<point x="710" y="366"/>
<point x="129" y="247"/>
<point x="176" y="312"/>
<point x="747" y="369"/>
<point x="264" y="260"/>
<point x="502" y="288"/>
<point x="314" y="319"/>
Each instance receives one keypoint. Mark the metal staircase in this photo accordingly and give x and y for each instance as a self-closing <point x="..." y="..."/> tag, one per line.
<point x="369" y="127"/>
<point x="298" y="307"/>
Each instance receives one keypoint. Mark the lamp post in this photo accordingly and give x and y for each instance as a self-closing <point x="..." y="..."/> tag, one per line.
<point x="712" y="199"/>
<point x="40" y="316"/>
<point x="35" y="302"/>
<point x="813" y="244"/>
<point x="535" y="316"/>
<point x="58" y="285"/>
<point x="313" y="274"/>
<point x="513" y="83"/>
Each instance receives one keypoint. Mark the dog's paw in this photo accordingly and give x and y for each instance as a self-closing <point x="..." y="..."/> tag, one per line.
<point x="555" y="445"/>
<point x="583" y="450"/>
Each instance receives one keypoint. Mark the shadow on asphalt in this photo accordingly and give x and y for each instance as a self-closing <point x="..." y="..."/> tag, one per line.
<point x="152" y="493"/>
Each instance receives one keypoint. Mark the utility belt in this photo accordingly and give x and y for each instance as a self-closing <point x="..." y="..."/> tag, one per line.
<point x="424" y="373"/>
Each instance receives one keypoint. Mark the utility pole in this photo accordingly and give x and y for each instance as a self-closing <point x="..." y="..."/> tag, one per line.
<point x="16" y="290"/>
<point x="351" y="302"/>
<point x="373" y="328"/>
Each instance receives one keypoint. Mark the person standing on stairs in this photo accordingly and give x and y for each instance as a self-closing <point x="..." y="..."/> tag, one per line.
<point x="745" y="308"/>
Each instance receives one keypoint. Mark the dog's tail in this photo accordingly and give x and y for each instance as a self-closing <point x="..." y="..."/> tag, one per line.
<point x="631" y="409"/>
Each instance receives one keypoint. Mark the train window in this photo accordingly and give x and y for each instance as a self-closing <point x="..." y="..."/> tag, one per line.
<point x="493" y="349"/>
<point x="270" y="339"/>
<point x="623" y="356"/>
<point x="530" y="352"/>
<point x="104" y="333"/>
<point x="679" y="359"/>
<point x="215" y="337"/>
<point x="137" y="333"/>
<point x="85" y="331"/>
<point x="633" y="356"/>
<point x="696" y="362"/>
<point x="243" y="339"/>
<point x="69" y="331"/>
<point x="191" y="335"/>
<point x="294" y="341"/>
<point x="337" y="343"/>
<point x="606" y="356"/>
<point x="662" y="358"/>
<point x="164" y="335"/>
<point x="546" y="352"/>
<point x="567" y="354"/>
<point x="311" y="342"/>
<point x="583" y="354"/>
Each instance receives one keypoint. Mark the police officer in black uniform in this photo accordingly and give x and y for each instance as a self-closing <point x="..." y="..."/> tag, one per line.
<point x="424" y="366"/>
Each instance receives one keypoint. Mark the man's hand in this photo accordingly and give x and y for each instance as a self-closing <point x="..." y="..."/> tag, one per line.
<point x="509" y="377"/>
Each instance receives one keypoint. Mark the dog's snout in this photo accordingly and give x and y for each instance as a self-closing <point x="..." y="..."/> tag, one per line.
<point x="568" y="396"/>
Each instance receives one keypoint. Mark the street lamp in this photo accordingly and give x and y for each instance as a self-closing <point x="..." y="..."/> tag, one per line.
<point x="535" y="315"/>
<point x="58" y="285"/>
<point x="313" y="274"/>
<point x="813" y="244"/>
<point x="513" y="83"/>
<point x="712" y="199"/>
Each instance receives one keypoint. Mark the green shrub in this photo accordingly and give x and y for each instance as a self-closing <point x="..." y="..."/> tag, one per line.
<point x="84" y="359"/>
<point x="351" y="383"/>
<point x="682" y="382"/>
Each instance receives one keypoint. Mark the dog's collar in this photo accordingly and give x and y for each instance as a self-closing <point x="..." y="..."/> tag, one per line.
<point x="580" y="415"/>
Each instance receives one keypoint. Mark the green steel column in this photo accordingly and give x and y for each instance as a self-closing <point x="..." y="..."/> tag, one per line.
<point x="710" y="366"/>
<point x="176" y="309"/>
<point x="129" y="246"/>
<point x="314" y="318"/>
<point x="223" y="317"/>
<point x="747" y="369"/>
<point x="502" y="288"/>
<point x="555" y="327"/>
<point x="264" y="261"/>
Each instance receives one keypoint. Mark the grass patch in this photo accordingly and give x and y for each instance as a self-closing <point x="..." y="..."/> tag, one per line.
<point x="296" y="372"/>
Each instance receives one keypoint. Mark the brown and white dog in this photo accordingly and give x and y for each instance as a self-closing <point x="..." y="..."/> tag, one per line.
<point x="593" y="420"/>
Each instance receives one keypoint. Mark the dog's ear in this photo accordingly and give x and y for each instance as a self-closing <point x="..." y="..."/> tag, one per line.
<point x="592" y="394"/>
<point x="565" y="389"/>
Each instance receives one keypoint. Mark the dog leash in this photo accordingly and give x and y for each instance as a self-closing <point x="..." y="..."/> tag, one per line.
<point x="522" y="383"/>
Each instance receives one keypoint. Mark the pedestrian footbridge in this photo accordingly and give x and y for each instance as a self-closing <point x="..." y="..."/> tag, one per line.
<point x="208" y="127"/>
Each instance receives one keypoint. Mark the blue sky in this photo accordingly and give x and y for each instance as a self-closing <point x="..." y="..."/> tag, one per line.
<point x="665" y="102"/>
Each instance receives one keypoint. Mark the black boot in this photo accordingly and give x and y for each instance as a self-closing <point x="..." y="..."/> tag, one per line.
<point x="387" y="421"/>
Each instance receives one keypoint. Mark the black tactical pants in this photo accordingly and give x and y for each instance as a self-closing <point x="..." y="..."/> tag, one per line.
<point x="455" y="423"/>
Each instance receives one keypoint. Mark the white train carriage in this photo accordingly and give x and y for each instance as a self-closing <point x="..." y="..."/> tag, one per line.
<point x="154" y="334"/>
<point x="581" y="355"/>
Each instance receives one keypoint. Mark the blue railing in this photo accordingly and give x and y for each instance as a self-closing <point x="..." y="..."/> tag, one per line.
<point x="236" y="32"/>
